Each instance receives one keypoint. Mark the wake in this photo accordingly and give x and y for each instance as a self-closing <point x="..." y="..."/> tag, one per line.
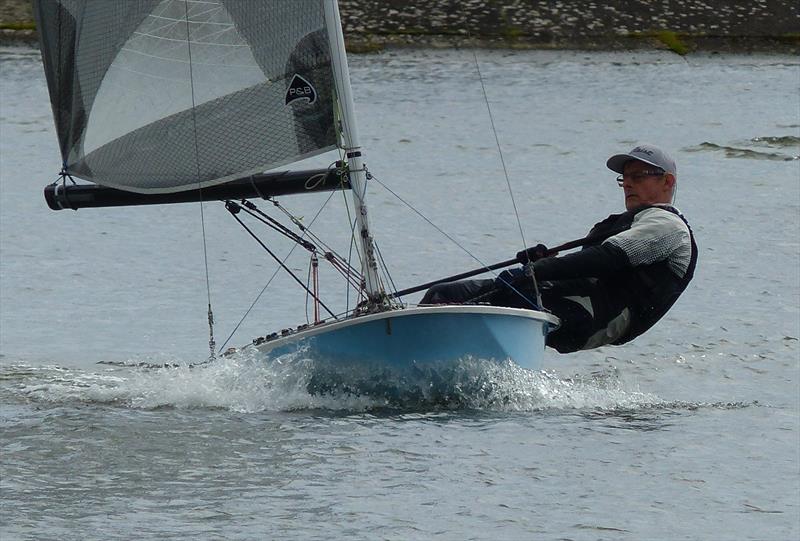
<point x="246" y="384"/>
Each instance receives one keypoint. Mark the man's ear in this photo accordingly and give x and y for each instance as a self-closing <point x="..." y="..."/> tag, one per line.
<point x="670" y="181"/>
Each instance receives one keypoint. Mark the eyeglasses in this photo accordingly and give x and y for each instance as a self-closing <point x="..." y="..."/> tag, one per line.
<point x="637" y="177"/>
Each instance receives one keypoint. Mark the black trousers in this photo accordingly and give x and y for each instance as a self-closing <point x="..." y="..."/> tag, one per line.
<point x="577" y="324"/>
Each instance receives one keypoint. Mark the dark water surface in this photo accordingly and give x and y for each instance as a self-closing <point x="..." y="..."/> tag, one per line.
<point x="690" y="432"/>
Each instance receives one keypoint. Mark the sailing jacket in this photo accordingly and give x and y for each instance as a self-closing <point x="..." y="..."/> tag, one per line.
<point x="625" y="282"/>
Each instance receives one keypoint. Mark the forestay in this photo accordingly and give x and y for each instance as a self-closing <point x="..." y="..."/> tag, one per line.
<point x="162" y="96"/>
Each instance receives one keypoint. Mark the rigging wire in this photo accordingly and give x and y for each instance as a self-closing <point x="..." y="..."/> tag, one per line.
<point x="440" y="230"/>
<point x="428" y="220"/>
<point x="313" y="236"/>
<point x="385" y="268"/>
<point x="499" y="148"/>
<point x="308" y="282"/>
<point x="350" y="258"/>
<point x="274" y="224"/>
<point x="336" y="261"/>
<point x="274" y="274"/>
<point x="233" y="211"/>
<point x="529" y="265"/>
<point x="211" y="342"/>
<point x="352" y="222"/>
<point x="255" y="301"/>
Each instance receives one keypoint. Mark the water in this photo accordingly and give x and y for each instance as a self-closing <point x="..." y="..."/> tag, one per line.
<point x="690" y="432"/>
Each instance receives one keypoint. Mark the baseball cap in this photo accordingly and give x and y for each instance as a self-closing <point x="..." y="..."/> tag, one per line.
<point x="646" y="153"/>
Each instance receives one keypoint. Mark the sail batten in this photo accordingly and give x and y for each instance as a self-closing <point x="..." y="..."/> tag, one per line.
<point x="164" y="96"/>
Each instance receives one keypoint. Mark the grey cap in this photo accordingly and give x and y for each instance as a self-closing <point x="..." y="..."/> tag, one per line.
<point x="646" y="153"/>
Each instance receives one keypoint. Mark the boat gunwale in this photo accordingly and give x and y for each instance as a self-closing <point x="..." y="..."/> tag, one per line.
<point x="310" y="331"/>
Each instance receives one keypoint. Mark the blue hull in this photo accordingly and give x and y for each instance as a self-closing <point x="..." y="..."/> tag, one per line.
<point x="414" y="336"/>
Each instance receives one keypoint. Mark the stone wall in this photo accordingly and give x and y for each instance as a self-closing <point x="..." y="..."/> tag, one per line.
<point x="683" y="25"/>
<point x="605" y="24"/>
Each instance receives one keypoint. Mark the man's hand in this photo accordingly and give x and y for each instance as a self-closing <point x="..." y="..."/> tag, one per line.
<point x="532" y="254"/>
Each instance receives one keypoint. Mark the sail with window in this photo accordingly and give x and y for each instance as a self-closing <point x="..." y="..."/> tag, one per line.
<point x="169" y="101"/>
<point x="165" y="96"/>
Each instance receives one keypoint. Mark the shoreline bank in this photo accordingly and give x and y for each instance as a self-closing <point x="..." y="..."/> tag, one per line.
<point x="681" y="26"/>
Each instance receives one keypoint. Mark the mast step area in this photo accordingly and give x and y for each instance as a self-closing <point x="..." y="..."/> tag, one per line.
<point x="60" y="196"/>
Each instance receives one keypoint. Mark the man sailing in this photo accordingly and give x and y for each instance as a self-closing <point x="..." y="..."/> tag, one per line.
<point x="621" y="283"/>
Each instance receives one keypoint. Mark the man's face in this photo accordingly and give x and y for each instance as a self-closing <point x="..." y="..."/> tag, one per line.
<point x="642" y="189"/>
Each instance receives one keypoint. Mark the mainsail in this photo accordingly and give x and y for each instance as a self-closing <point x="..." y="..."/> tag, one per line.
<point x="163" y="96"/>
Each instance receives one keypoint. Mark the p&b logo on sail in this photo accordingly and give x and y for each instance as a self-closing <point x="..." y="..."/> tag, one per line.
<point x="300" y="89"/>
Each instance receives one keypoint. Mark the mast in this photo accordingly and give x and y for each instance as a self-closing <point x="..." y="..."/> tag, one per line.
<point x="352" y="147"/>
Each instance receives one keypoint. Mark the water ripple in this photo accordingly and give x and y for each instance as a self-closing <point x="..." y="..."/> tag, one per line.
<point x="735" y="152"/>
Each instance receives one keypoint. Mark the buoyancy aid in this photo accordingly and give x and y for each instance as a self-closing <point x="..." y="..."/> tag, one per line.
<point x="648" y="291"/>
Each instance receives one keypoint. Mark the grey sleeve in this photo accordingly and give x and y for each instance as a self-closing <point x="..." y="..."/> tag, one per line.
<point x="656" y="235"/>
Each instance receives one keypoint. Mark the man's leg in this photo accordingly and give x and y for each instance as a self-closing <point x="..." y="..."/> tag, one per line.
<point x="456" y="292"/>
<point x="577" y="324"/>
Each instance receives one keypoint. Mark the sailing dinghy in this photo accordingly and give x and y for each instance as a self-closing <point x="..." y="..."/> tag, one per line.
<point x="171" y="101"/>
